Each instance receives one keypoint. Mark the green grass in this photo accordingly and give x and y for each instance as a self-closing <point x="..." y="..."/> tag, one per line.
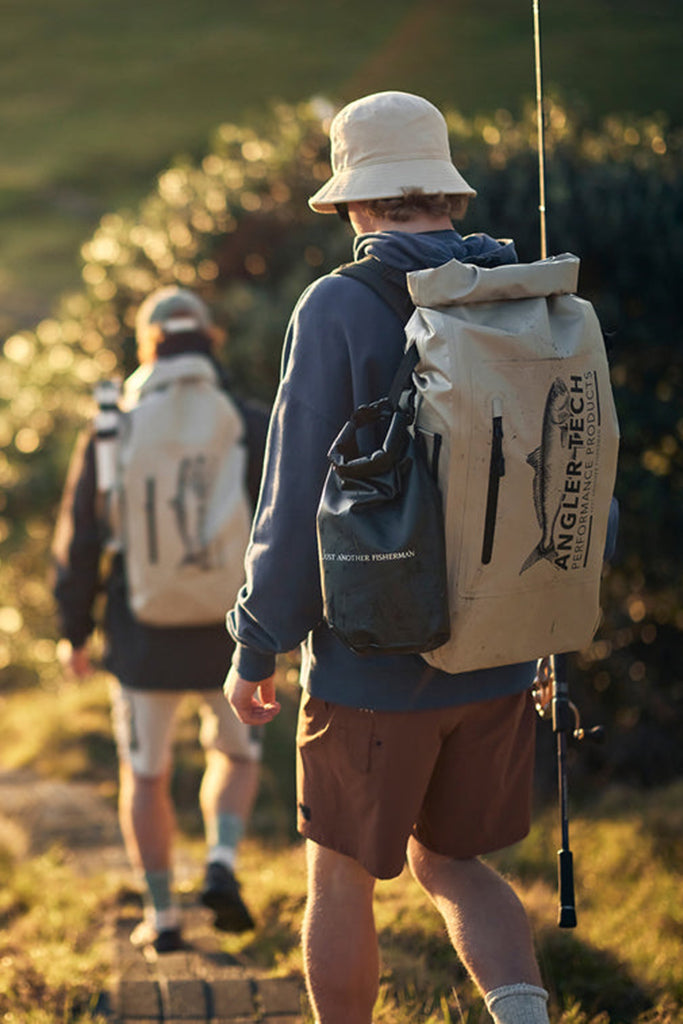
<point x="53" y="953"/>
<point x="95" y="99"/>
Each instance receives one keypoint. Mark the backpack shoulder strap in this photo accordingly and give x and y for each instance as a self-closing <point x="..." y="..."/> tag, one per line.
<point x="390" y="284"/>
<point x="386" y="281"/>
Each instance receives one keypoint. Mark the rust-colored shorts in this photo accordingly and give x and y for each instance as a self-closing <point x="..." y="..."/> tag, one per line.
<point x="459" y="779"/>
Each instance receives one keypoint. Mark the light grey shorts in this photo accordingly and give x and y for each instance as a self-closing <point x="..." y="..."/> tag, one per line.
<point x="143" y="722"/>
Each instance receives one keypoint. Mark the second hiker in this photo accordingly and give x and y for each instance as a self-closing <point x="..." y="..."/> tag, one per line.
<point x="171" y="512"/>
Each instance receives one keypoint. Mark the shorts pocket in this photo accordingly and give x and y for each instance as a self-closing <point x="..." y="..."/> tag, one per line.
<point x="348" y="734"/>
<point x="313" y="721"/>
<point x="356" y="737"/>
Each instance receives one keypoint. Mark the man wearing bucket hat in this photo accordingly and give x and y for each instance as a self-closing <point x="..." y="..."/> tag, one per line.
<point x="155" y="667"/>
<point x="395" y="759"/>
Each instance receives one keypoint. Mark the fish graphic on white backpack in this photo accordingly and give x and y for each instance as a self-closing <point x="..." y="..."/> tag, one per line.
<point x="190" y="506"/>
<point x="549" y="462"/>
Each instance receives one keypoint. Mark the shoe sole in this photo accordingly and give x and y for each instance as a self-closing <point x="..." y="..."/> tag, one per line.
<point x="168" y="944"/>
<point x="171" y="947"/>
<point x="230" y="916"/>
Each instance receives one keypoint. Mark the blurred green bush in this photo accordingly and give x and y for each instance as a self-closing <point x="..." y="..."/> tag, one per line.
<point x="236" y="226"/>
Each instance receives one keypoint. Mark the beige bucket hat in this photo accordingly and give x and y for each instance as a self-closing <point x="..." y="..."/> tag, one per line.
<point x="383" y="145"/>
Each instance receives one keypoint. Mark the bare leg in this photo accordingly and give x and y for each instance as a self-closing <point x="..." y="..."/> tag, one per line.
<point x="146" y="818"/>
<point x="147" y="823"/>
<point x="226" y="797"/>
<point x="486" y="922"/>
<point x="228" y="786"/>
<point x="341" y="958"/>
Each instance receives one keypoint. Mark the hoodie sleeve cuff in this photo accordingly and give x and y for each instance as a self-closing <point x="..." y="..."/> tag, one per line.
<point x="254" y="666"/>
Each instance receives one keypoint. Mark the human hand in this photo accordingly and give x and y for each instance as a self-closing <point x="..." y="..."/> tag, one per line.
<point x="79" y="662"/>
<point x="253" y="703"/>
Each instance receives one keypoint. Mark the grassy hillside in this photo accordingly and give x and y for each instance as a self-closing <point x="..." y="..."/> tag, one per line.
<point x="95" y="99"/>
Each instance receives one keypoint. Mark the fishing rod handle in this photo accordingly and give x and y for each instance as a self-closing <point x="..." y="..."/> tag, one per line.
<point x="566" y="917"/>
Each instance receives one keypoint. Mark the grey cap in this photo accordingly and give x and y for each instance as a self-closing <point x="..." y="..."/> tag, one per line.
<point x="175" y="310"/>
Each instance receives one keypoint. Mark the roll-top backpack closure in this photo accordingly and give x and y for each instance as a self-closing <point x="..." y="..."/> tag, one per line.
<point x="456" y="283"/>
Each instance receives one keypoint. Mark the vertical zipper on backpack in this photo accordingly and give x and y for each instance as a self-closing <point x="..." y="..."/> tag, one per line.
<point x="436" y="452"/>
<point x="150" y="520"/>
<point x="496" y="471"/>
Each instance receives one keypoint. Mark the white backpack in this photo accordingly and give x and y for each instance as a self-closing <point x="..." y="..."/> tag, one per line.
<point x="513" y="399"/>
<point x="179" y="507"/>
<point x="512" y="377"/>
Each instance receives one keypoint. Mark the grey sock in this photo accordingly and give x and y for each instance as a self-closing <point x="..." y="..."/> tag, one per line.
<point x="518" y="1004"/>
<point x="159" y="889"/>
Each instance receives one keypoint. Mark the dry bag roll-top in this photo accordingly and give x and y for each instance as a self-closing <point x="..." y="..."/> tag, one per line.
<point x="513" y="401"/>
<point x="179" y="508"/>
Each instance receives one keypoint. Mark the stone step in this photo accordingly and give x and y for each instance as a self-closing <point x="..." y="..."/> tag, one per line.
<point x="198" y="983"/>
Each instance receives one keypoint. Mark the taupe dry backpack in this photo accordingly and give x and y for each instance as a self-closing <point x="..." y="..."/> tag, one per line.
<point x="513" y="398"/>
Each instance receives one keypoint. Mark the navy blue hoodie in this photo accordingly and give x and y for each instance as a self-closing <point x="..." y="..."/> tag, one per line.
<point x="342" y="348"/>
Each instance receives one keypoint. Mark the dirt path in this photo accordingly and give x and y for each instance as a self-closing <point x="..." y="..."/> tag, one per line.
<point x="41" y="812"/>
<point x="200" y="983"/>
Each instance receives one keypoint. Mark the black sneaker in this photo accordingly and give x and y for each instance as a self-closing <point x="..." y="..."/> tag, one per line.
<point x="166" y="940"/>
<point x="221" y="892"/>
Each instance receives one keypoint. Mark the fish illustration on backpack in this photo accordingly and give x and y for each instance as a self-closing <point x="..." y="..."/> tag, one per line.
<point x="549" y="462"/>
<point x="190" y="507"/>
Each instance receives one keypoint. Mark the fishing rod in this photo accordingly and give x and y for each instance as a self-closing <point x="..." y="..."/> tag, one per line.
<point x="539" y="128"/>
<point x="551" y="698"/>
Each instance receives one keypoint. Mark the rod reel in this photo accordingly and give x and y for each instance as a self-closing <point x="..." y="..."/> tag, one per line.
<point x="543" y="693"/>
